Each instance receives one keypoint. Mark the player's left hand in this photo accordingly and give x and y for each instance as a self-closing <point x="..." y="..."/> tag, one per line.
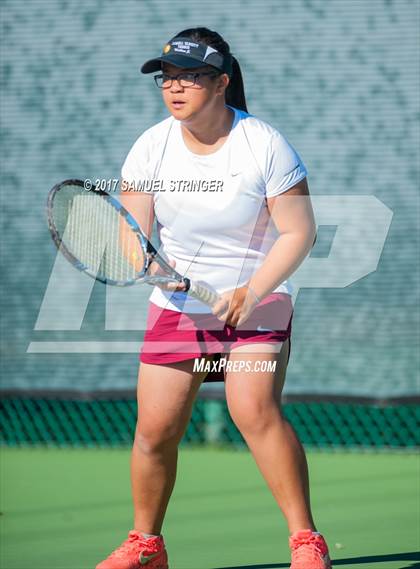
<point x="235" y="306"/>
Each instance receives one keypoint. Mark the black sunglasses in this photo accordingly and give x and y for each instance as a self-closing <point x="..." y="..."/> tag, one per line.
<point x="185" y="79"/>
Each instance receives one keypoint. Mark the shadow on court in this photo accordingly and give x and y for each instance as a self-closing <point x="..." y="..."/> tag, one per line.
<point x="366" y="559"/>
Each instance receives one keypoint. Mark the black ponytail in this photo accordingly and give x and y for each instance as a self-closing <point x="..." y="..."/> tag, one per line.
<point x="235" y="92"/>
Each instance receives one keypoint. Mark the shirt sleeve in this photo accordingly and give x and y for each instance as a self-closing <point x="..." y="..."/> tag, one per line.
<point x="284" y="166"/>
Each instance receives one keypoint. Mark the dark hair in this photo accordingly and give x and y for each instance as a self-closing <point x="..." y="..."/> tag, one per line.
<point x="235" y="93"/>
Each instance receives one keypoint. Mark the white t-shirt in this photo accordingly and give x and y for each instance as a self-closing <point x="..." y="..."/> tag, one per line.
<point x="211" y="210"/>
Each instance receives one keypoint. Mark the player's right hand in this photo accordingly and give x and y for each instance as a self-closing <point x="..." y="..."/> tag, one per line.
<point x="155" y="269"/>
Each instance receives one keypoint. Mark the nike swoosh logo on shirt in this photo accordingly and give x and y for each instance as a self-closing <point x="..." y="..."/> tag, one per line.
<point x="146" y="558"/>
<point x="261" y="329"/>
<point x="234" y="173"/>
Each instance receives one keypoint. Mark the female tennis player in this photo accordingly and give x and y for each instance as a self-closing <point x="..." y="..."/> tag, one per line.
<point x="232" y="206"/>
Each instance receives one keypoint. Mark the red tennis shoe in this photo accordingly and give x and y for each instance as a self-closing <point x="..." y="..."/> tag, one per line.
<point x="309" y="550"/>
<point x="137" y="552"/>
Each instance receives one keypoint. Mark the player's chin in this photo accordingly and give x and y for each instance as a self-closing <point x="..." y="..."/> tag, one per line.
<point x="180" y="111"/>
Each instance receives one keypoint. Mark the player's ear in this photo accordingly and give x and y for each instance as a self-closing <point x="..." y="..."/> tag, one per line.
<point x="222" y="83"/>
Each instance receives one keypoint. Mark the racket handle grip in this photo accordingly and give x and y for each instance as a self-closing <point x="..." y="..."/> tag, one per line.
<point x="201" y="292"/>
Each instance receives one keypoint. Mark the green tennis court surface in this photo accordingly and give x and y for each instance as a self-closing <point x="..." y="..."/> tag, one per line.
<point x="67" y="509"/>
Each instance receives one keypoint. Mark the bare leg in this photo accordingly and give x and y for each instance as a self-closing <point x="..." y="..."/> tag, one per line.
<point x="254" y="403"/>
<point x="166" y="394"/>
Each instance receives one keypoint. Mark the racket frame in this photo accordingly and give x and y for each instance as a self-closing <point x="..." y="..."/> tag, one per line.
<point x="151" y="254"/>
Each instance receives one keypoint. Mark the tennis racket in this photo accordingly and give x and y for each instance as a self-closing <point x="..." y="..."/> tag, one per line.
<point x="99" y="237"/>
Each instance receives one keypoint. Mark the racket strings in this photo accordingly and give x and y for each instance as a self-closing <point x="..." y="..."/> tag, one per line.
<point x="97" y="235"/>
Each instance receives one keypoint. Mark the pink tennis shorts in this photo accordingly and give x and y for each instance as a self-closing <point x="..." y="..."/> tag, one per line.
<point x="173" y="336"/>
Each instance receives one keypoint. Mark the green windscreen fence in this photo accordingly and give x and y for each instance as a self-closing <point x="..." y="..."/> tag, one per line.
<point x="340" y="79"/>
<point x="97" y="420"/>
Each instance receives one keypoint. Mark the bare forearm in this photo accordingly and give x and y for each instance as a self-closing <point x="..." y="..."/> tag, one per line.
<point x="140" y="205"/>
<point x="285" y="256"/>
